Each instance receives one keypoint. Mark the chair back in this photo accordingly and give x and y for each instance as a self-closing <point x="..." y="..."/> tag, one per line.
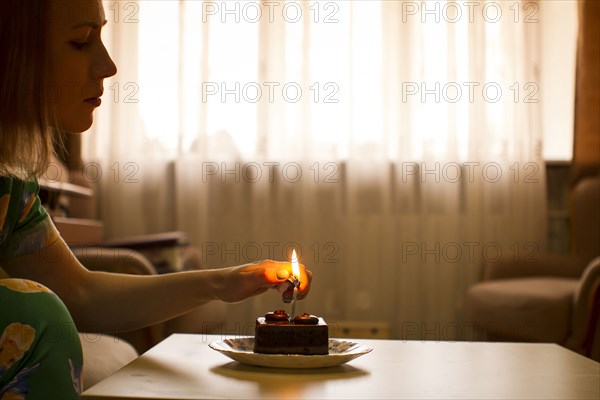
<point x="585" y="217"/>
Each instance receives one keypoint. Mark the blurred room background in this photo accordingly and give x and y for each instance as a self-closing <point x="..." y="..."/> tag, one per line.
<point x="396" y="145"/>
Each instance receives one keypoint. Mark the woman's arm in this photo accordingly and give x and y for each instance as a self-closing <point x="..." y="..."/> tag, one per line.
<point x="108" y="302"/>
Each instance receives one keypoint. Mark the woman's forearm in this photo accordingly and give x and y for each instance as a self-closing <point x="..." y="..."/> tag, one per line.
<point x="112" y="302"/>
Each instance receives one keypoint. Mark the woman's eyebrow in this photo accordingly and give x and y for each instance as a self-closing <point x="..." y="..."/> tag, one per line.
<point x="93" y="25"/>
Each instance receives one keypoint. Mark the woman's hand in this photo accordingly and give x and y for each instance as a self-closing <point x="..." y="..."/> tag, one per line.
<point x="248" y="280"/>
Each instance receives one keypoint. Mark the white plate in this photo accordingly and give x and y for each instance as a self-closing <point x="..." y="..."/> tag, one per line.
<point x="241" y="350"/>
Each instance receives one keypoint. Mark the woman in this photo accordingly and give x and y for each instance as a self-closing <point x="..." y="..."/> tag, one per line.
<point x="51" y="79"/>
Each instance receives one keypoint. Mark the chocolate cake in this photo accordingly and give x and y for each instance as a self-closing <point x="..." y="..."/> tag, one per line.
<point x="306" y="334"/>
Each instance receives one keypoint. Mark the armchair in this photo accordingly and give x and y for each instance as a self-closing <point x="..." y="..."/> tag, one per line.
<point x="555" y="298"/>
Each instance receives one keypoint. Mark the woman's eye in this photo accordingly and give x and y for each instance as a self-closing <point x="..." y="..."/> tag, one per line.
<point x="79" y="45"/>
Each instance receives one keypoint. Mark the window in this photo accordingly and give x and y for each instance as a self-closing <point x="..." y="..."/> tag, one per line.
<point x="258" y="78"/>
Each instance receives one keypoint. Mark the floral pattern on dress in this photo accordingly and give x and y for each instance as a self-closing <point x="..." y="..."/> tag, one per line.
<point x="26" y="204"/>
<point x="14" y="342"/>
<point x="24" y="286"/>
<point x="18" y="387"/>
<point x="76" y="376"/>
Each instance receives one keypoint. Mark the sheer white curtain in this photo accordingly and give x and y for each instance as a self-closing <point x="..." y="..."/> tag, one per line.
<point x="395" y="144"/>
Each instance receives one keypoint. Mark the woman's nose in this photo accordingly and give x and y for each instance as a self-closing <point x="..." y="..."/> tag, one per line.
<point x="104" y="67"/>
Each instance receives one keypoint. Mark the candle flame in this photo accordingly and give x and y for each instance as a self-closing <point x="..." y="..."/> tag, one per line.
<point x="295" y="268"/>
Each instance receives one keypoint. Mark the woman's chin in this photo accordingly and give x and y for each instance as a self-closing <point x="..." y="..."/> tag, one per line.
<point x="77" y="126"/>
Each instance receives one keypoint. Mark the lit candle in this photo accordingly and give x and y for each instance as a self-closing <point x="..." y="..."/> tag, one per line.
<point x="296" y="283"/>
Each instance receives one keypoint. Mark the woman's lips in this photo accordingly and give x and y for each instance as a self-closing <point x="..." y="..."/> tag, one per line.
<point x="94" y="101"/>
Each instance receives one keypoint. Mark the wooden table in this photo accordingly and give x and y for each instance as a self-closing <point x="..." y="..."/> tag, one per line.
<point x="184" y="367"/>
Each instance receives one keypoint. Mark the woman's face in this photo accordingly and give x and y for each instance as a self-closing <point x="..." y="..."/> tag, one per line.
<point x="79" y="62"/>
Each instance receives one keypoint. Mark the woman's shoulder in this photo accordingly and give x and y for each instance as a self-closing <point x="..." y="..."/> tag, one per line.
<point x="23" y="220"/>
<point x="10" y="184"/>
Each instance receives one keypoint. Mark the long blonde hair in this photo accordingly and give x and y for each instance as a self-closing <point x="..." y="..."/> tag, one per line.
<point x="27" y="136"/>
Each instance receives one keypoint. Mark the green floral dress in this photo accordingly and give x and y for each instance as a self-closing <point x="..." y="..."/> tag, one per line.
<point x="40" y="352"/>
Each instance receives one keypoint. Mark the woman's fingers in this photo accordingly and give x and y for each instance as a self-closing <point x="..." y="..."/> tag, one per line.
<point x="270" y="273"/>
<point x="306" y="287"/>
<point x="282" y="274"/>
<point x="273" y="272"/>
